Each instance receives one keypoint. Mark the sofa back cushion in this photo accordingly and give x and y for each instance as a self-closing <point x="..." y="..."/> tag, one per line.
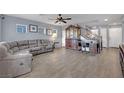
<point x="6" y="45"/>
<point x="23" y="44"/>
<point x="33" y="43"/>
<point x="14" y="46"/>
<point x="11" y="47"/>
<point x="45" y="42"/>
<point x="39" y="42"/>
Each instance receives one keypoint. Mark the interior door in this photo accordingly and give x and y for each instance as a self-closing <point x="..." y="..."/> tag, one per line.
<point x="103" y="33"/>
<point x="115" y="36"/>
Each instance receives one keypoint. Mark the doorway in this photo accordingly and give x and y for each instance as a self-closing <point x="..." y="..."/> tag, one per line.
<point x="115" y="36"/>
<point x="111" y="37"/>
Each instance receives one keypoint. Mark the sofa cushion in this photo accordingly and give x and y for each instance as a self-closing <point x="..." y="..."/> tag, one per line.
<point x="33" y="43"/>
<point x="35" y="49"/>
<point x="23" y="44"/>
<point x="15" y="49"/>
<point x="12" y="47"/>
<point x="6" y="45"/>
<point x="40" y="43"/>
<point x="49" y="46"/>
<point x="12" y="44"/>
<point x="23" y="47"/>
<point x="45" y="42"/>
<point x="21" y="52"/>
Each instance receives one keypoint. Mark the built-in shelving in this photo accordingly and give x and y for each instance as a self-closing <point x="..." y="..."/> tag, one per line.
<point x="72" y="36"/>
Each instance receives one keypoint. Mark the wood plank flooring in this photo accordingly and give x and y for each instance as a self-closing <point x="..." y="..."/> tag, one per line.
<point x="66" y="63"/>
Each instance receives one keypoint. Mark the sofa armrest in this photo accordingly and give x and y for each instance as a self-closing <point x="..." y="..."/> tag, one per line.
<point x="3" y="52"/>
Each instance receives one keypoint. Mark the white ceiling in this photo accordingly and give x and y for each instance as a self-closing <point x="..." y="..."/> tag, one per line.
<point x="86" y="19"/>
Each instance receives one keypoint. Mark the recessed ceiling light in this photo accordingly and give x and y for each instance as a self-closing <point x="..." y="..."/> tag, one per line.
<point x="106" y="20"/>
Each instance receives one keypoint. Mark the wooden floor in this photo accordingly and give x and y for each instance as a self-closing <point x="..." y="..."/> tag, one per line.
<point x="66" y="63"/>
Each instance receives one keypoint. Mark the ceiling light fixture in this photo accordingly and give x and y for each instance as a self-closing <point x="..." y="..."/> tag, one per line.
<point x="105" y="20"/>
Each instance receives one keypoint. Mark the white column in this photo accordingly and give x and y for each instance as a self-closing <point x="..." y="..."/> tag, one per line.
<point x="99" y="33"/>
<point x="63" y="36"/>
<point x="123" y="33"/>
<point x="0" y="30"/>
<point x="107" y="28"/>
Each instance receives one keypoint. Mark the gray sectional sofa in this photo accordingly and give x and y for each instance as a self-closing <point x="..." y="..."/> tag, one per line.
<point x="33" y="46"/>
<point x="16" y="57"/>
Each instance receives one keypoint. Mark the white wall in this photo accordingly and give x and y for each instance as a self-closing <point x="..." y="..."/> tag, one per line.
<point x="123" y="32"/>
<point x="0" y="30"/>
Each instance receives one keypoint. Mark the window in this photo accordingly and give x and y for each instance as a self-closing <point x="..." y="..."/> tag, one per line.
<point x="21" y="28"/>
<point x="94" y="31"/>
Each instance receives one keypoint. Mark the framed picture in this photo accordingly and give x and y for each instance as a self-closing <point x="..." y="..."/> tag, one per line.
<point x="42" y="30"/>
<point x="55" y="31"/>
<point x="21" y="28"/>
<point x="33" y="28"/>
<point x="49" y="32"/>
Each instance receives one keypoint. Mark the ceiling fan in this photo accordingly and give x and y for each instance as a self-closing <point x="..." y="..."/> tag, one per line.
<point x="61" y="19"/>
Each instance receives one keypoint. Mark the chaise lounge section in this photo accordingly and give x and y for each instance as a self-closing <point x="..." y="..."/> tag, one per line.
<point x="16" y="56"/>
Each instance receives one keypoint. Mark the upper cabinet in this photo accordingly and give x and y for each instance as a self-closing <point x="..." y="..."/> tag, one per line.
<point x="73" y="32"/>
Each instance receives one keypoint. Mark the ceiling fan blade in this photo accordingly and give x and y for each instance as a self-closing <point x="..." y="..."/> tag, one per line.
<point x="56" y="21"/>
<point x="64" y="21"/>
<point x="69" y="18"/>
